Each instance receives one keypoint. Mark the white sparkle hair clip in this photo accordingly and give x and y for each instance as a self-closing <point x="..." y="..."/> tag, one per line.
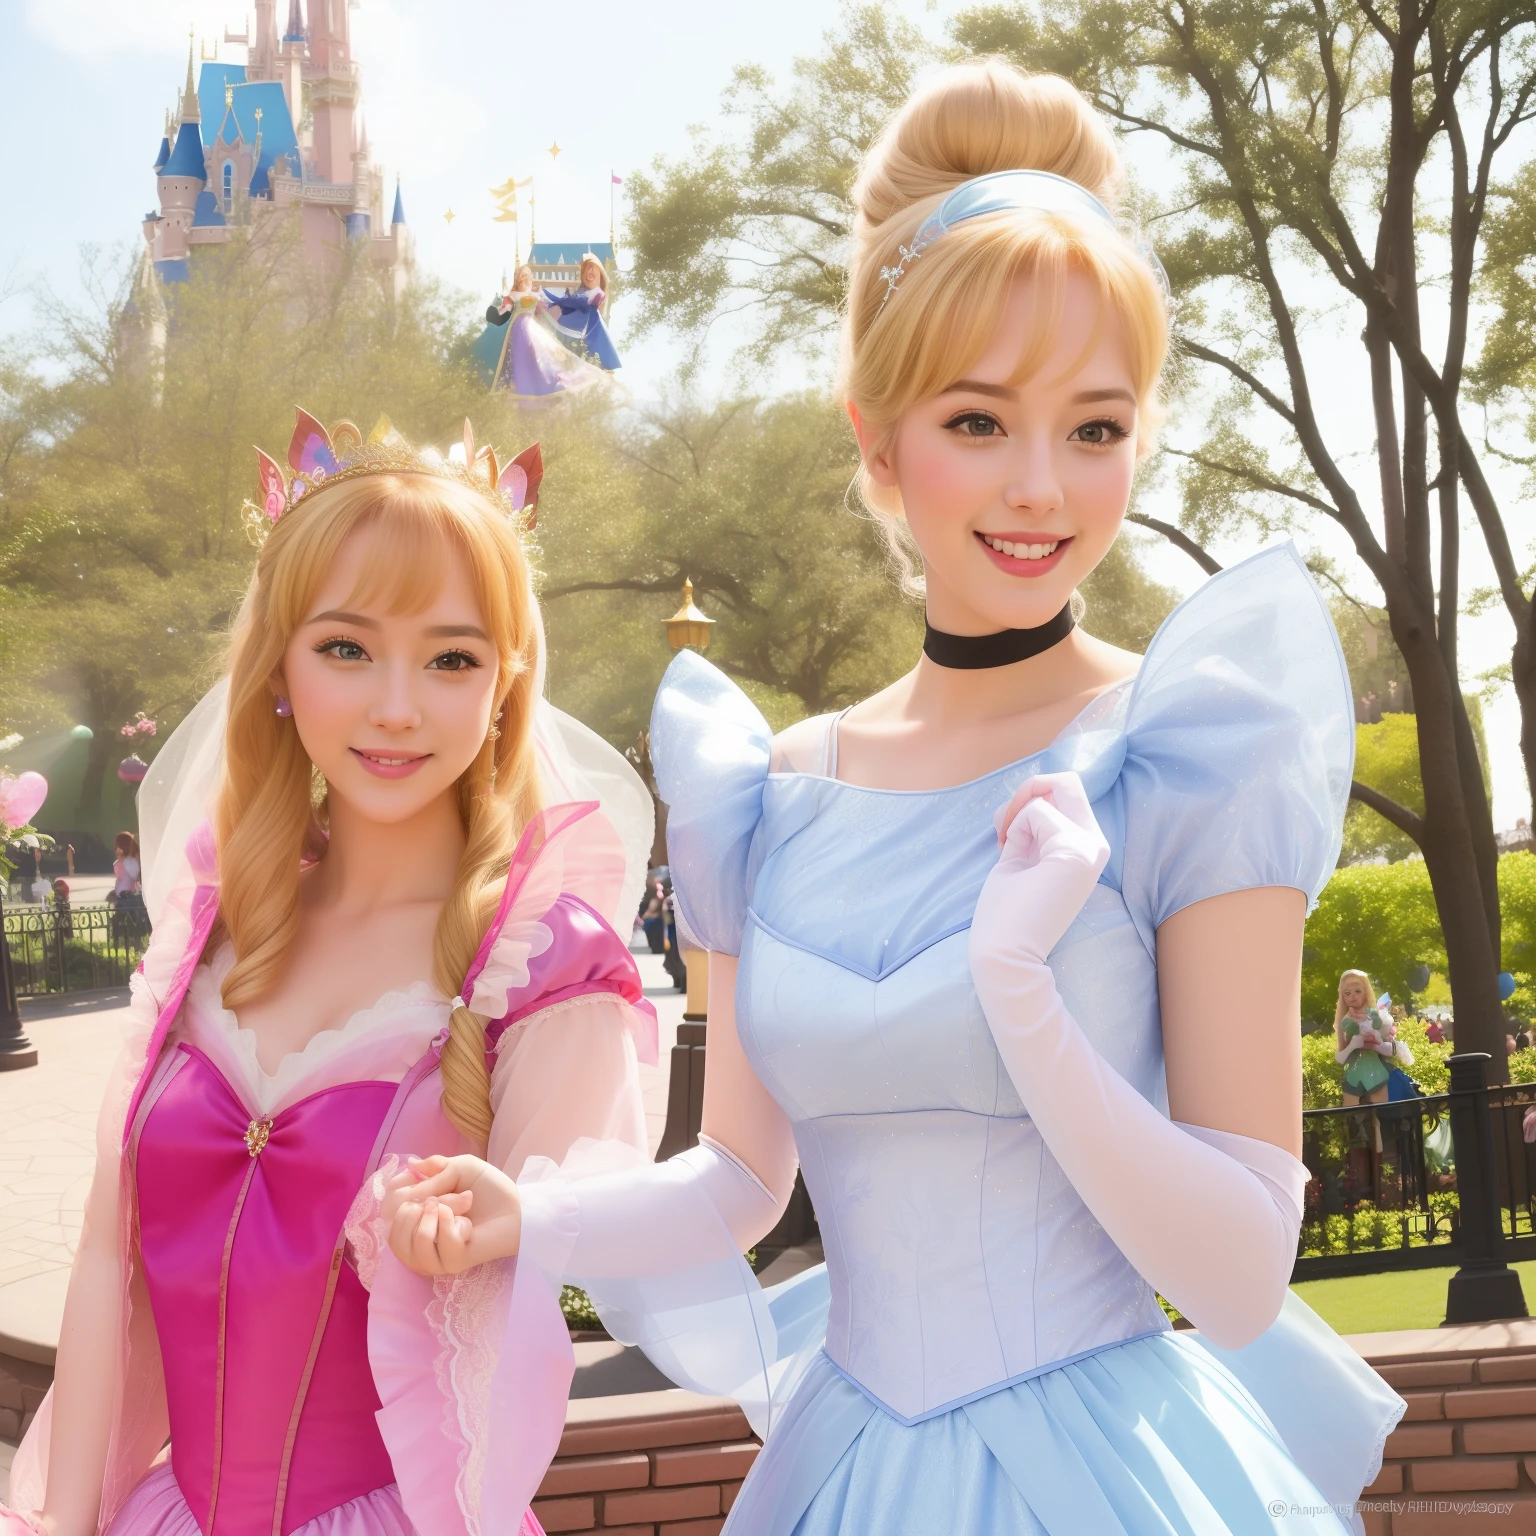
<point x="1002" y="192"/>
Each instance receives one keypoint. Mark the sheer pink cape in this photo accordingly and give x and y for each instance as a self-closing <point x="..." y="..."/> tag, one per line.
<point x="461" y="1364"/>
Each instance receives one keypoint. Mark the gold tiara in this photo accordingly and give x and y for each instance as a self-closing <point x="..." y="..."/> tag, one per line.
<point x="321" y="456"/>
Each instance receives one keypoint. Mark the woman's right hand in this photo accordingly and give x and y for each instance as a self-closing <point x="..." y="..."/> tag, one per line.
<point x="447" y="1214"/>
<point x="1051" y="857"/>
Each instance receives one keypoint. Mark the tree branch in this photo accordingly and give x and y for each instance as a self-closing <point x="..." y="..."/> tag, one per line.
<point x="1257" y="481"/>
<point x="1389" y="810"/>
<point x="1244" y="376"/>
<point x="1178" y="538"/>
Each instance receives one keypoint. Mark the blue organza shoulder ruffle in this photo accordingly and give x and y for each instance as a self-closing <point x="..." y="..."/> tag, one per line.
<point x="710" y="751"/>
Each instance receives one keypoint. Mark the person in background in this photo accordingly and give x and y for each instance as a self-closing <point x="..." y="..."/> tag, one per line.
<point x="69" y="860"/>
<point x="63" y="918"/>
<point x="125" y="865"/>
<point x="654" y="919"/>
<point x="673" y="955"/>
<point x="1434" y="1033"/>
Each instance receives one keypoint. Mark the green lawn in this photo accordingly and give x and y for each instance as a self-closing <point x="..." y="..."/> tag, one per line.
<point x="1411" y="1298"/>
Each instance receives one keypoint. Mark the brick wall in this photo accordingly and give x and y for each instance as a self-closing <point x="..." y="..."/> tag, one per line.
<point x="1462" y="1460"/>
<point x="1461" y="1463"/>
<point x="646" y="1464"/>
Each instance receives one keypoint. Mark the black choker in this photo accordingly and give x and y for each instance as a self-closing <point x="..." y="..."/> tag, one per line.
<point x="973" y="652"/>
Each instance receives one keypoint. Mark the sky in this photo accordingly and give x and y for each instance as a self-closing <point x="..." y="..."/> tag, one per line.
<point x="459" y="95"/>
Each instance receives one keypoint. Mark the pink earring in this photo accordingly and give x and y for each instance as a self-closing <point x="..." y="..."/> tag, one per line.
<point x="283" y="709"/>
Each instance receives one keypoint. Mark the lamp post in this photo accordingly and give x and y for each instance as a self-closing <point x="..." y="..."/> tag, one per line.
<point x="15" y="1049"/>
<point x="688" y="628"/>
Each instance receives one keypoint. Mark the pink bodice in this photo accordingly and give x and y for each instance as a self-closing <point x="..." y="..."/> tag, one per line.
<point x="262" y="1322"/>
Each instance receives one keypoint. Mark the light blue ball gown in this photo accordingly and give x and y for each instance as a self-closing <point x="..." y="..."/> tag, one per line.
<point x="977" y="1355"/>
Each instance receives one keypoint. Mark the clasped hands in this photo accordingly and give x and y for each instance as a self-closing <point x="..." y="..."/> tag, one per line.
<point x="447" y="1214"/>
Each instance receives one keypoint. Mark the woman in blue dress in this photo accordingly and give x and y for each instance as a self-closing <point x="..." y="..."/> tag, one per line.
<point x="974" y="946"/>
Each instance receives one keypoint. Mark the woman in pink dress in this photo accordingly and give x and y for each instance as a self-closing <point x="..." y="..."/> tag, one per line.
<point x="391" y="935"/>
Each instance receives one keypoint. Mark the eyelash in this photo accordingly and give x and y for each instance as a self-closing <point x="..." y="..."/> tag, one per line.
<point x="470" y="662"/>
<point x="332" y="646"/>
<point x="1115" y="432"/>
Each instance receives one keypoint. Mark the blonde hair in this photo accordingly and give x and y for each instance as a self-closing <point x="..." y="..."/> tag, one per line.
<point x="1370" y="994"/>
<point x="269" y="818"/>
<point x="517" y="276"/>
<point x="972" y="119"/>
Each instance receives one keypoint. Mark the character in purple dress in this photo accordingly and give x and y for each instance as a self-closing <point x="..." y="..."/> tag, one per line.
<point x="520" y="349"/>
<point x="233" y="1292"/>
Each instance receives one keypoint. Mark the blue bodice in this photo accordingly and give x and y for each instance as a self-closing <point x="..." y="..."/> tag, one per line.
<point x="960" y="1258"/>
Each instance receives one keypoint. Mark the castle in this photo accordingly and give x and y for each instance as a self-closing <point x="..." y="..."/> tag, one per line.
<point x="278" y="139"/>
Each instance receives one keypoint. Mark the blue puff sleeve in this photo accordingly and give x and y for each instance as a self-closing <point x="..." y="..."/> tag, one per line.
<point x="1240" y="744"/>
<point x="710" y="750"/>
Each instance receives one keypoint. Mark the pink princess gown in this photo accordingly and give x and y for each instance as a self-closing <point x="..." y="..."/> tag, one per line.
<point x="307" y="1381"/>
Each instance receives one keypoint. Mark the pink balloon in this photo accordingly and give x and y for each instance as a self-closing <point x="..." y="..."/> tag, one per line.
<point x="20" y="798"/>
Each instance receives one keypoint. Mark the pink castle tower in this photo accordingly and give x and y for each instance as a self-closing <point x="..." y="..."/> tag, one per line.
<point x="241" y="156"/>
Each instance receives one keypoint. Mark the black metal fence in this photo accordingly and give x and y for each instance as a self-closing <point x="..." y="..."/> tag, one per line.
<point x="1391" y="1183"/>
<point x="74" y="948"/>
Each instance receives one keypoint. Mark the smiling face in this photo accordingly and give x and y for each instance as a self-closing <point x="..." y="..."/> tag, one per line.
<point x="1014" y="490"/>
<point x="591" y="274"/>
<point x="391" y="707"/>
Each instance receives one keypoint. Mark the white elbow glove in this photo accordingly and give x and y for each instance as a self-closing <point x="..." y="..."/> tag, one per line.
<point x="1208" y="1217"/>
<point x="650" y="1219"/>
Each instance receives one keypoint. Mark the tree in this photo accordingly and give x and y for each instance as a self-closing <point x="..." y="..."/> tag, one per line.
<point x="122" y="551"/>
<point x="757" y="220"/>
<point x="1387" y="760"/>
<point x="746" y="499"/>
<point x="1310" y="143"/>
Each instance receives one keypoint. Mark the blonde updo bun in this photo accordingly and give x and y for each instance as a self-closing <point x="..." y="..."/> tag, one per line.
<point x="969" y="120"/>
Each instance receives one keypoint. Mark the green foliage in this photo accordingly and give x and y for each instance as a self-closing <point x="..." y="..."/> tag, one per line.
<point x="1367" y="1229"/>
<point x="1386" y="759"/>
<point x="1517" y="904"/>
<point x="1382" y="919"/>
<point x="758" y="218"/>
<point x="1377" y="918"/>
<point x="1125" y="606"/>
<point x="578" y="1309"/>
<point x="746" y="499"/>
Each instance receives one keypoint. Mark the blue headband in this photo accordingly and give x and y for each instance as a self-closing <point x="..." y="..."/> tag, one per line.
<point x="1003" y="192"/>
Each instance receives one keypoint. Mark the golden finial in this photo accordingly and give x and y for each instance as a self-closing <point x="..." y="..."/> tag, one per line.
<point x="688" y="626"/>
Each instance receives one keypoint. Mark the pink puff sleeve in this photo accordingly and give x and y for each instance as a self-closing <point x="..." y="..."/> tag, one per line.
<point x="473" y="1370"/>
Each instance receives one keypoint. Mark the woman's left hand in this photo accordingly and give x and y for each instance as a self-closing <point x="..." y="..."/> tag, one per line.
<point x="447" y="1214"/>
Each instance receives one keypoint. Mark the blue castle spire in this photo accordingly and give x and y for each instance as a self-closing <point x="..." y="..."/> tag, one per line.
<point x="295" y="32"/>
<point x="398" y="217"/>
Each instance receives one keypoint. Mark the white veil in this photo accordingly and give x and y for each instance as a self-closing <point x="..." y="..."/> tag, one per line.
<point x="178" y="793"/>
